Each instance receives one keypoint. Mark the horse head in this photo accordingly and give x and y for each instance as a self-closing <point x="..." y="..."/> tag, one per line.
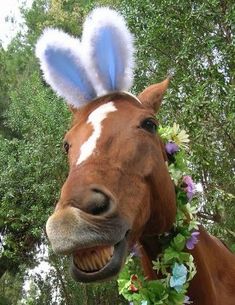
<point x="118" y="188"/>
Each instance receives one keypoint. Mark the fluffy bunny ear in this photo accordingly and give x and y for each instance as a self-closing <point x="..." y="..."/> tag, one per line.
<point x="109" y="46"/>
<point x="63" y="66"/>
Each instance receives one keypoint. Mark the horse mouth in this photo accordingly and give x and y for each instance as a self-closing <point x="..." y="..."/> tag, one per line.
<point x="93" y="259"/>
<point x="98" y="263"/>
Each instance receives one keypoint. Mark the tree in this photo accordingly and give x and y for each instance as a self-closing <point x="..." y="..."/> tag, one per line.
<point x="196" y="40"/>
<point x="28" y="182"/>
<point x="11" y="288"/>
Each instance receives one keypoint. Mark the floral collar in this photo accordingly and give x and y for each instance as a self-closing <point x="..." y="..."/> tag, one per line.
<point x="175" y="266"/>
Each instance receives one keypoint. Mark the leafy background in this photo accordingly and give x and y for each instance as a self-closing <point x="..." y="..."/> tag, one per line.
<point x="194" y="40"/>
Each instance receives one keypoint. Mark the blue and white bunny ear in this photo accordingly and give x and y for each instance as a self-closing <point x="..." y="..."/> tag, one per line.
<point x="64" y="68"/>
<point x="109" y="46"/>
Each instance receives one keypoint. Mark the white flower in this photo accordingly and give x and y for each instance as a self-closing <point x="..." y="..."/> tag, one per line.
<point x="180" y="137"/>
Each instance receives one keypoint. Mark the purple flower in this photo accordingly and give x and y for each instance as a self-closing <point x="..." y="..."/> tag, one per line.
<point x="135" y="251"/>
<point x="189" y="186"/>
<point x="171" y="148"/>
<point x="187" y="300"/>
<point x="193" y="240"/>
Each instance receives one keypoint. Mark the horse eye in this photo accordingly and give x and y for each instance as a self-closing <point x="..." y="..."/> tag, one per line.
<point x="66" y="146"/>
<point x="149" y="125"/>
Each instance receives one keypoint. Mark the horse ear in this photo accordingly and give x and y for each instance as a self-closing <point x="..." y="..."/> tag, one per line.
<point x="152" y="96"/>
<point x="109" y="45"/>
<point x="64" y="68"/>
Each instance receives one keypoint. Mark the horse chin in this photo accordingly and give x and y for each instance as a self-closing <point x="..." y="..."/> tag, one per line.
<point x="98" y="263"/>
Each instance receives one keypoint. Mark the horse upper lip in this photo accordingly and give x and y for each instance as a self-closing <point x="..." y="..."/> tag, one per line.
<point x="70" y="231"/>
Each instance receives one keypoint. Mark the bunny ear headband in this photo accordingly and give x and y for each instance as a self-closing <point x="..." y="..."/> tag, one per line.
<point x="100" y="63"/>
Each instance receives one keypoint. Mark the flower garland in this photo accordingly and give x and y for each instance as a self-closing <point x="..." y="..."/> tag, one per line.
<point x="175" y="266"/>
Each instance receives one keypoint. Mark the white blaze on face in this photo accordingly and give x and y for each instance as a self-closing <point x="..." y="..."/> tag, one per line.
<point x="95" y="119"/>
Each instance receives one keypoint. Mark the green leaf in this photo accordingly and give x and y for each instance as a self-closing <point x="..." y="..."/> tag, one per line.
<point x="178" y="242"/>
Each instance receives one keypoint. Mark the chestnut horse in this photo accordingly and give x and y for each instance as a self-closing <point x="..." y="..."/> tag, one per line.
<point x="122" y="193"/>
<point x="118" y="191"/>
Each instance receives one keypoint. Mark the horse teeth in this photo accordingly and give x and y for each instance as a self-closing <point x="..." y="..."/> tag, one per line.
<point x="83" y="265"/>
<point x="93" y="259"/>
<point x="112" y="250"/>
<point x="101" y="257"/>
<point x="98" y="262"/>
<point x="86" y="266"/>
<point x="94" y="262"/>
<point x="89" y="263"/>
<point x="76" y="261"/>
<point x="106" y="252"/>
<point x="79" y="263"/>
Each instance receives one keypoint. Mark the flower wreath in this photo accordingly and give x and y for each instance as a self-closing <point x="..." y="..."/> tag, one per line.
<point x="176" y="266"/>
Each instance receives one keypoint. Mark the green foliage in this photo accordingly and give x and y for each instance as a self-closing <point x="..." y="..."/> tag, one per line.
<point x="11" y="288"/>
<point x="32" y="167"/>
<point x="193" y="39"/>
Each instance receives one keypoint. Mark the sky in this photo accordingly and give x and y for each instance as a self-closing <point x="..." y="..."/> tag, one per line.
<point x="11" y="8"/>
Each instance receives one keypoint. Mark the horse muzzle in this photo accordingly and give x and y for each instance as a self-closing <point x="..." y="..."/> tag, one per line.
<point x="97" y="244"/>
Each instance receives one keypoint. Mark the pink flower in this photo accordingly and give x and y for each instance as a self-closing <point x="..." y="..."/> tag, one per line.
<point x="189" y="186"/>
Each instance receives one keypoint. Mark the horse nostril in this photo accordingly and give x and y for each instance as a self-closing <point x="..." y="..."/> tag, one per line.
<point x="98" y="203"/>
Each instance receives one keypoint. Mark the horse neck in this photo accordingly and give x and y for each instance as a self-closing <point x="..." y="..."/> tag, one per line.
<point x="215" y="269"/>
<point x="149" y="250"/>
<point x="162" y="217"/>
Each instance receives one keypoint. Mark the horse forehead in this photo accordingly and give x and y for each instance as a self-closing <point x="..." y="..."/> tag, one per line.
<point x="111" y="115"/>
<point x="104" y="114"/>
<point x="96" y="119"/>
<point x="114" y="116"/>
<point x="100" y="113"/>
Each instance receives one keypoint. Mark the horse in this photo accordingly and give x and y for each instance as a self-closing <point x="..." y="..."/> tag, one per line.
<point x="118" y="191"/>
